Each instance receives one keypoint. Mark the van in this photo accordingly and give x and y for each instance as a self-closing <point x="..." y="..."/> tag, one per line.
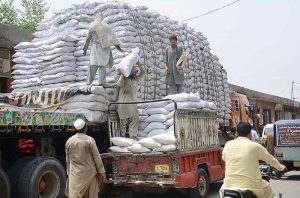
<point x="269" y="128"/>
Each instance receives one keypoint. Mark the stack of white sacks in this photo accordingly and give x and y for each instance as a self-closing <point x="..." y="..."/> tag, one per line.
<point x="55" y="57"/>
<point x="156" y="126"/>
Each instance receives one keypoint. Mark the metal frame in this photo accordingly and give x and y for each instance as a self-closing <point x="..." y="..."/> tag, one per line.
<point x="113" y="120"/>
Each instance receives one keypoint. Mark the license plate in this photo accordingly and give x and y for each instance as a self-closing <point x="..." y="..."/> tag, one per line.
<point x="297" y="164"/>
<point x="162" y="168"/>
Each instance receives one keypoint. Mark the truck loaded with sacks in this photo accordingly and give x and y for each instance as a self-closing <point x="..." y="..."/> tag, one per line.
<point x="50" y="92"/>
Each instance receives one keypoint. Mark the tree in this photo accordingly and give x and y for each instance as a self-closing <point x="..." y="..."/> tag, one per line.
<point x="31" y="14"/>
<point x="34" y="12"/>
<point x="8" y="13"/>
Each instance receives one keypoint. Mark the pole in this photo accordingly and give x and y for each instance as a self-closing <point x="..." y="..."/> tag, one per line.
<point x="292" y="93"/>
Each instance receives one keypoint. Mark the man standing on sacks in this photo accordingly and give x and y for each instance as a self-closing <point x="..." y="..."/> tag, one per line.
<point x="175" y="59"/>
<point x="84" y="164"/>
<point x="102" y="38"/>
<point x="128" y="89"/>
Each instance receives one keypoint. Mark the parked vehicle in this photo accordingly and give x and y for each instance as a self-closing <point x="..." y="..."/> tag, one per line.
<point x="268" y="128"/>
<point x="190" y="168"/>
<point x="287" y="143"/>
<point x="32" y="152"/>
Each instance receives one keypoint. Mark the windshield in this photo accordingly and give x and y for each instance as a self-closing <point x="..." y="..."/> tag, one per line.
<point x="268" y="130"/>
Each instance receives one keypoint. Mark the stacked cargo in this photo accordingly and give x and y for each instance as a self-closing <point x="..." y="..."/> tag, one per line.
<point x="55" y="57"/>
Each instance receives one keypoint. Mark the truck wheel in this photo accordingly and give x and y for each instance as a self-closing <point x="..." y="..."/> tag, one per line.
<point x="14" y="174"/>
<point x="5" y="185"/>
<point x="42" y="177"/>
<point x="202" y="188"/>
<point x="127" y="193"/>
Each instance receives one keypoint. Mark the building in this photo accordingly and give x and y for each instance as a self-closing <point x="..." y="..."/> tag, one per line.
<point x="10" y="36"/>
<point x="268" y="108"/>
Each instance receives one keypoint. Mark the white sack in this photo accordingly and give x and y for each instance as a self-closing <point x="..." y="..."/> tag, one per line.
<point x="165" y="138"/>
<point x="153" y="111"/>
<point x="166" y="148"/>
<point x="156" y="118"/>
<point x="118" y="149"/>
<point x="122" y="141"/>
<point x="125" y="66"/>
<point x="156" y="132"/>
<point x="137" y="148"/>
<point x="154" y="125"/>
<point x="149" y="143"/>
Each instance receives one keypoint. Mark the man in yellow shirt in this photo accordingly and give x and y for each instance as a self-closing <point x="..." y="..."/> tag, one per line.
<point x="241" y="157"/>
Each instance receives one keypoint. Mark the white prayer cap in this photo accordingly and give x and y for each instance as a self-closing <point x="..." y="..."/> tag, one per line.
<point x="79" y="124"/>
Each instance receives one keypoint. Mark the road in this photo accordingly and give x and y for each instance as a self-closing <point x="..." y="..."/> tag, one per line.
<point x="288" y="185"/>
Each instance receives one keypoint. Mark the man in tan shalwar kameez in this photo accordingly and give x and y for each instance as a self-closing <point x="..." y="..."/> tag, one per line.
<point x="84" y="164"/>
<point x="128" y="88"/>
<point x="102" y="38"/>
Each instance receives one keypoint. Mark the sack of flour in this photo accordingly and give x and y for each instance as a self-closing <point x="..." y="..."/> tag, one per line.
<point x="156" y="118"/>
<point x="138" y="148"/>
<point x="156" y="132"/>
<point x="126" y="65"/>
<point x="118" y="149"/>
<point x="122" y="141"/>
<point x="149" y="143"/>
<point x="154" y="125"/>
<point x="165" y="138"/>
<point x="166" y="148"/>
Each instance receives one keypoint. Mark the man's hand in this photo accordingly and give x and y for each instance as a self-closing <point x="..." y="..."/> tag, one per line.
<point x="103" y="175"/>
<point x="166" y="69"/>
<point x="119" y="48"/>
<point x="118" y="72"/>
<point x="285" y="169"/>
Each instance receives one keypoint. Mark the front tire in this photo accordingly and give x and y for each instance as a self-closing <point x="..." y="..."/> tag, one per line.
<point x="42" y="177"/>
<point x="4" y="185"/>
<point x="202" y="188"/>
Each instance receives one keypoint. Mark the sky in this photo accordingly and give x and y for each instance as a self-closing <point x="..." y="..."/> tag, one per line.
<point x="258" y="42"/>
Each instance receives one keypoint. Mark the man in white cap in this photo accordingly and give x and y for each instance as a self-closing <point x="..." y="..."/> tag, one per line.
<point x="84" y="164"/>
<point x="102" y="38"/>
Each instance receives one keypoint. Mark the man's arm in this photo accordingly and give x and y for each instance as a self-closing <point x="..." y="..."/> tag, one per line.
<point x="87" y="43"/>
<point x="166" y="61"/>
<point x="121" y="80"/>
<point x="143" y="71"/>
<point x="67" y="157"/>
<point x="96" y="156"/>
<point x="265" y="156"/>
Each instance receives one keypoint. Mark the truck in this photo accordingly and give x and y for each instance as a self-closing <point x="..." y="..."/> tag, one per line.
<point x="240" y="109"/>
<point x="32" y="153"/>
<point x="287" y="144"/>
<point x="190" y="168"/>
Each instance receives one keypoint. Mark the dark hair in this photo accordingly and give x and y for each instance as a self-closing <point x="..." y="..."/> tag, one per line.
<point x="243" y="129"/>
<point x="173" y="37"/>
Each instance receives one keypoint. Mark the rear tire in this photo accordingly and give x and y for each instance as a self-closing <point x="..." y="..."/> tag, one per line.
<point x="42" y="177"/>
<point x="4" y="185"/>
<point x="202" y="188"/>
<point x="14" y="173"/>
<point x="127" y="193"/>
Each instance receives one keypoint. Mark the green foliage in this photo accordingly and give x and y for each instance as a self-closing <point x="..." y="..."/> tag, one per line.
<point x="8" y="14"/>
<point x="31" y="14"/>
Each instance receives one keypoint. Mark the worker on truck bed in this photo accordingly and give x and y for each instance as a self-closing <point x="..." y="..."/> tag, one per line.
<point x="102" y="38"/>
<point x="84" y="164"/>
<point x="241" y="157"/>
<point x="174" y="75"/>
<point x="128" y="88"/>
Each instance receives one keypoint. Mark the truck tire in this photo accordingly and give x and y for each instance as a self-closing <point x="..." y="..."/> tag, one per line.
<point x="202" y="188"/>
<point x="42" y="177"/>
<point x="5" y="185"/>
<point x="14" y="174"/>
<point x="127" y="193"/>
